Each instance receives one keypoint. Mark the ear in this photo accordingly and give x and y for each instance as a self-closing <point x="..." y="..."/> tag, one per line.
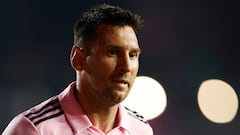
<point x="77" y="58"/>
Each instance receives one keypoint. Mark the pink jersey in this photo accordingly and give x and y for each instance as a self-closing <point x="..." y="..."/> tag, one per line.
<point x="62" y="115"/>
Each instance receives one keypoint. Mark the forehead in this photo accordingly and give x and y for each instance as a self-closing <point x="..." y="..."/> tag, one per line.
<point x="111" y="35"/>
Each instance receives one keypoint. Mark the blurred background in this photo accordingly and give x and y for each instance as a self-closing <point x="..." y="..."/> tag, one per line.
<point x="184" y="42"/>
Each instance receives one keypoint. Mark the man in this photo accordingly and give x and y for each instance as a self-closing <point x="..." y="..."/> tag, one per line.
<point x="105" y="57"/>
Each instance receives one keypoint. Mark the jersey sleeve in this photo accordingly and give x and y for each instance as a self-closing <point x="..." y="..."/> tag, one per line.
<point x="20" y="125"/>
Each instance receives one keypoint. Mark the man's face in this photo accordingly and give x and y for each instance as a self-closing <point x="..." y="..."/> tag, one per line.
<point x="112" y="64"/>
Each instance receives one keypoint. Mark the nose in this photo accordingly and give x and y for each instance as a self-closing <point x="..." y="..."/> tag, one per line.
<point x="124" y="63"/>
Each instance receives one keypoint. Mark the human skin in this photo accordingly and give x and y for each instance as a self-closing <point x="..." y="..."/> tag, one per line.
<point x="105" y="73"/>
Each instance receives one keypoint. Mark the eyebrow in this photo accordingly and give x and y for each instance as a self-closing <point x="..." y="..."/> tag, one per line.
<point x="119" y="48"/>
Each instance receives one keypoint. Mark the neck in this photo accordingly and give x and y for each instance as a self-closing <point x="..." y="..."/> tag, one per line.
<point x="104" y="120"/>
<point x="102" y="117"/>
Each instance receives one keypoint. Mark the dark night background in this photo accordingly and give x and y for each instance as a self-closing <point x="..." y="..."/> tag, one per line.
<point x="184" y="42"/>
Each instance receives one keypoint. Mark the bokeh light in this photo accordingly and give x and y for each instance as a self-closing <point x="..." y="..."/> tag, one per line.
<point x="217" y="101"/>
<point x="147" y="97"/>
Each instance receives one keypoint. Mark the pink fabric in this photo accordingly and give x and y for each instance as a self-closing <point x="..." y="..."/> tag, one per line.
<point x="62" y="115"/>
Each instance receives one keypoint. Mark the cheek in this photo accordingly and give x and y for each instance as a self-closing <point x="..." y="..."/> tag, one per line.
<point x="135" y="67"/>
<point x="100" y="66"/>
<point x="107" y="65"/>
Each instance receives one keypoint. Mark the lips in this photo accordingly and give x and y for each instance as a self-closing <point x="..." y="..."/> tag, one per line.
<point x="121" y="82"/>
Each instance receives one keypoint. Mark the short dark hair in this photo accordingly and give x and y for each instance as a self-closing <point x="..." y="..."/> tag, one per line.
<point x="86" y="25"/>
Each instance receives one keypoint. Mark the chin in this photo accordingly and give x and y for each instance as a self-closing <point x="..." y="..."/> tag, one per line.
<point x="118" y="98"/>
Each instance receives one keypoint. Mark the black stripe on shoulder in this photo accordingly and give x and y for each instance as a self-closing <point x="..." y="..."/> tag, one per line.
<point x="136" y="115"/>
<point x="52" y="109"/>
<point x="54" y="101"/>
<point x="45" y="112"/>
<point x="49" y="117"/>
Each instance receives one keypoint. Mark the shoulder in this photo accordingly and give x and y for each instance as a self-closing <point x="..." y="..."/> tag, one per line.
<point x="20" y="125"/>
<point x="47" y="110"/>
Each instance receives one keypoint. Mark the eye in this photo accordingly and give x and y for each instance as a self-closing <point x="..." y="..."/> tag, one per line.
<point x="133" y="55"/>
<point x="112" y="53"/>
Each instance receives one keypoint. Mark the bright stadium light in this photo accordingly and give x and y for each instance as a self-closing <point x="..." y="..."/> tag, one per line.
<point x="147" y="97"/>
<point x="217" y="101"/>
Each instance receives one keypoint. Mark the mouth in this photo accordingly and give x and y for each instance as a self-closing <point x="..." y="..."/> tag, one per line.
<point x="122" y="83"/>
